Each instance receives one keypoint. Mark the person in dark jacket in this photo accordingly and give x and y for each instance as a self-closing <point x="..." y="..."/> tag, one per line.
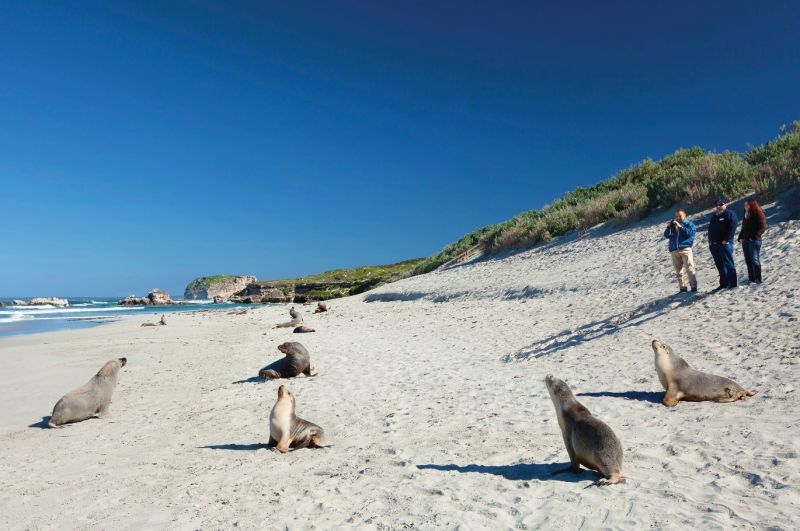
<point x="753" y="226"/>
<point x="680" y="233"/>
<point x="721" y="230"/>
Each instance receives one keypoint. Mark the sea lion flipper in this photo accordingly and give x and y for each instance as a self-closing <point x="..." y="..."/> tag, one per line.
<point x="603" y="482"/>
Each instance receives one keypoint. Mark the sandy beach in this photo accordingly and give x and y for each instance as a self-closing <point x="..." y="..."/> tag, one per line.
<point x="431" y="392"/>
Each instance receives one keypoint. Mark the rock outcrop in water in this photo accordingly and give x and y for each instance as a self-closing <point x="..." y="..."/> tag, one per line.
<point x="41" y="301"/>
<point x="156" y="297"/>
<point x="217" y="286"/>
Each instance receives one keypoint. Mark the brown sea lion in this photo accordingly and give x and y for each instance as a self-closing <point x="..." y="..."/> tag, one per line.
<point x="91" y="400"/>
<point x="297" y="361"/>
<point x="294" y="313"/>
<point x="287" y="430"/>
<point x="163" y="320"/>
<point x="303" y="329"/>
<point x="321" y="307"/>
<point x="681" y="382"/>
<point x="589" y="440"/>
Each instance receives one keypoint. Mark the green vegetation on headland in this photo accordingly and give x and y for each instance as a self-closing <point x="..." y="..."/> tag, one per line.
<point x="687" y="177"/>
<point x="214" y="279"/>
<point x="344" y="282"/>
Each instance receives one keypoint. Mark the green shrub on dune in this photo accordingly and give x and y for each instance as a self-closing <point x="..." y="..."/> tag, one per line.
<point x="688" y="176"/>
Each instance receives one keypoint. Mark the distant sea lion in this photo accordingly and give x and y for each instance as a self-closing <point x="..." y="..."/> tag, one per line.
<point x="589" y="440"/>
<point x="303" y="329"/>
<point x="681" y="382"/>
<point x="297" y="361"/>
<point x="297" y="319"/>
<point x="91" y="400"/>
<point x="321" y="307"/>
<point x="287" y="430"/>
<point x="161" y="322"/>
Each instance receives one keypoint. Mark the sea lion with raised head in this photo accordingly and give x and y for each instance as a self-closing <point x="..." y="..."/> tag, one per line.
<point x="297" y="361"/>
<point x="287" y="430"/>
<point x="681" y="382"/>
<point x="589" y="440"/>
<point x="303" y="329"/>
<point x="91" y="400"/>
<point x="321" y="307"/>
<point x="297" y="319"/>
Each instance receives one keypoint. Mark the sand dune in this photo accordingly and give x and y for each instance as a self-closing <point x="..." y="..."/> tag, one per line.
<point x="431" y="391"/>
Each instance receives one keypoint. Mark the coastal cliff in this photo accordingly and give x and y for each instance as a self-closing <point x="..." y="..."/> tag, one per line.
<point x="217" y="286"/>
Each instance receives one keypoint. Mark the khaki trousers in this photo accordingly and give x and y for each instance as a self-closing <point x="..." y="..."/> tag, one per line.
<point x="683" y="259"/>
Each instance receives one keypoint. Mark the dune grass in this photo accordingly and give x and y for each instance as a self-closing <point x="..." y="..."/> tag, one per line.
<point x="687" y="177"/>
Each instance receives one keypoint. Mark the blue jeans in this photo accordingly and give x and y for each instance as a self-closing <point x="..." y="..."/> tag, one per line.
<point x="723" y="259"/>
<point x="752" y="257"/>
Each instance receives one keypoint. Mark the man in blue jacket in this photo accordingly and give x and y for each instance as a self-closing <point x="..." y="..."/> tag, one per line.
<point x="721" y="232"/>
<point x="680" y="233"/>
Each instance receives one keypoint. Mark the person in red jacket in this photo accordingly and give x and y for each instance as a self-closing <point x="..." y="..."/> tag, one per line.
<point x="753" y="226"/>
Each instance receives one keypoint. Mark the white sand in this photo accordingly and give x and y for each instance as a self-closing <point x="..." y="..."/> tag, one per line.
<point x="431" y="427"/>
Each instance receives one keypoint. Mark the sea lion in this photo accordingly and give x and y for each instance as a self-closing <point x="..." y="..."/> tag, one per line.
<point x="589" y="440"/>
<point x="303" y="329"/>
<point x="287" y="430"/>
<point x="321" y="307"/>
<point x="91" y="400"/>
<point x="161" y="322"/>
<point x="297" y="361"/>
<point x="681" y="382"/>
<point x="297" y="319"/>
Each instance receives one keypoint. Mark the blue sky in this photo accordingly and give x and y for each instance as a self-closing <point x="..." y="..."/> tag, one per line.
<point x="145" y="143"/>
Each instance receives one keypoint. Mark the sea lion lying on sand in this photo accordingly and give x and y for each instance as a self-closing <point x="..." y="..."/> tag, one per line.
<point x="681" y="382"/>
<point x="321" y="307"/>
<point x="297" y="319"/>
<point x="161" y="322"/>
<point x="297" y="361"/>
<point x="287" y="430"/>
<point x="303" y="329"/>
<point x="589" y="440"/>
<point x="91" y="400"/>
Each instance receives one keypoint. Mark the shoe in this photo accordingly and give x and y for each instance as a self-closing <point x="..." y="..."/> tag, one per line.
<point x="683" y="290"/>
<point x="694" y="289"/>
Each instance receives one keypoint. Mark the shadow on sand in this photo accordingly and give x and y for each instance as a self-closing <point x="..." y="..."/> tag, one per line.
<point x="252" y="379"/>
<point x="245" y="447"/>
<point x="644" y="396"/>
<point x="608" y="326"/>
<point x="520" y="472"/>
<point x="41" y="424"/>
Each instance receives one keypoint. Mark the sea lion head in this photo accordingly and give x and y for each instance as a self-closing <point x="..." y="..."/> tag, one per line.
<point x="285" y="394"/>
<point x="286" y="347"/>
<point x="557" y="388"/>
<point x="659" y="348"/>
<point x="112" y="367"/>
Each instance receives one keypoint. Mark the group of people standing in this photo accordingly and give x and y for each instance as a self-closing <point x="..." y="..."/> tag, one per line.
<point x="721" y="231"/>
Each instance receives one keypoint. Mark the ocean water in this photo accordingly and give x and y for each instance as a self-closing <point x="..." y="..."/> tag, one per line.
<point x="85" y="312"/>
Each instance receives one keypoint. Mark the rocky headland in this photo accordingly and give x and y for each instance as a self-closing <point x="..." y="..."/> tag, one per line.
<point x="223" y="286"/>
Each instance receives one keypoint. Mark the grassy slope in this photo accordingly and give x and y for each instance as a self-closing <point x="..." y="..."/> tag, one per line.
<point x="344" y="282"/>
<point x="687" y="177"/>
